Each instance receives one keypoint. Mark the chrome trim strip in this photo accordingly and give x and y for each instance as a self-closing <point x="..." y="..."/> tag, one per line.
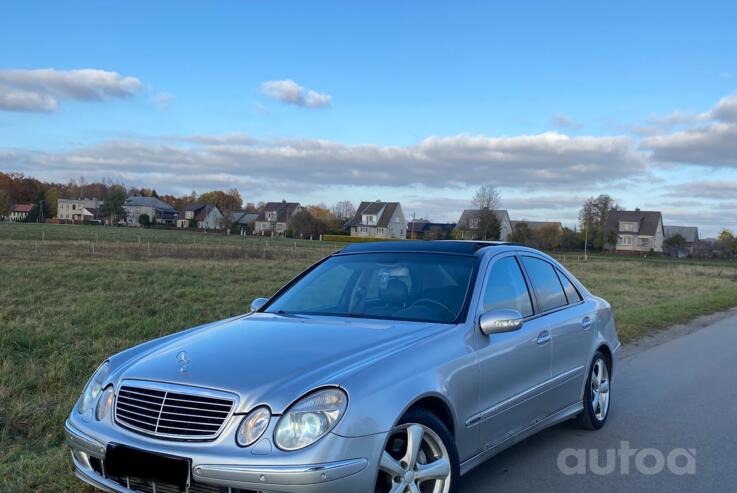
<point x="547" y="422"/>
<point x="248" y="476"/>
<point x="512" y="401"/>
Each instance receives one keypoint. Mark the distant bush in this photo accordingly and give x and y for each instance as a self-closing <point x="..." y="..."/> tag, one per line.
<point x="351" y="239"/>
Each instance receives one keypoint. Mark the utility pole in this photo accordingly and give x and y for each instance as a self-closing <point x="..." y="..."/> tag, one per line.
<point x="412" y="229"/>
<point x="585" y="241"/>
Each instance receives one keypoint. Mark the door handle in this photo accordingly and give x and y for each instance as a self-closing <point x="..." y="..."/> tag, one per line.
<point x="543" y="338"/>
<point x="586" y="323"/>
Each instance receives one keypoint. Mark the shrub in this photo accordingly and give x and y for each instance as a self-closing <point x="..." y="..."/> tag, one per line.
<point x="352" y="239"/>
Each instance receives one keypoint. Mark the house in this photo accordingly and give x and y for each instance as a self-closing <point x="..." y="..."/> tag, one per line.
<point x="276" y="217"/>
<point x="468" y="224"/>
<point x="426" y="230"/>
<point x="156" y="210"/>
<point x="638" y="232"/>
<point x="688" y="233"/>
<point x="243" y="222"/>
<point x="20" y="212"/>
<point x="78" y="210"/>
<point x="379" y="220"/>
<point x="202" y="216"/>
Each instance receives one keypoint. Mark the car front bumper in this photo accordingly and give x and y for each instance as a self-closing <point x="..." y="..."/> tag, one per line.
<point x="333" y="465"/>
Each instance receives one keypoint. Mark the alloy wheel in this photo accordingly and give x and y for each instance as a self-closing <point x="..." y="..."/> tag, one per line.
<point x="600" y="389"/>
<point x="415" y="461"/>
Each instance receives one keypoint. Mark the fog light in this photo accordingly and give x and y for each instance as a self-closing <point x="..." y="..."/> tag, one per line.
<point x="105" y="403"/>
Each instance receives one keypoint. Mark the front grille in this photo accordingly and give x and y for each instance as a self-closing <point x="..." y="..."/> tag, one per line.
<point x="171" y="413"/>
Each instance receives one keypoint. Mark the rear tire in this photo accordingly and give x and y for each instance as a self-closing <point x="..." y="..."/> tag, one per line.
<point x="433" y="468"/>
<point x="597" y="394"/>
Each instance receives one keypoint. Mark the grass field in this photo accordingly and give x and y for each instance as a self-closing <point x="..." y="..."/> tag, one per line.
<point x="62" y="314"/>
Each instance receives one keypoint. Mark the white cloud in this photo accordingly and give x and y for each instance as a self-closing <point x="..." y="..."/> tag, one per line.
<point x="726" y="109"/>
<point x="235" y="138"/>
<point x="41" y="90"/>
<point x="563" y="121"/>
<point x="723" y="189"/>
<point x="550" y="161"/>
<point x="163" y="101"/>
<point x="712" y="144"/>
<point x="289" y="92"/>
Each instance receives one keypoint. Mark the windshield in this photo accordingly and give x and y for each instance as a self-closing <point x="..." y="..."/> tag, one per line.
<point x="396" y="286"/>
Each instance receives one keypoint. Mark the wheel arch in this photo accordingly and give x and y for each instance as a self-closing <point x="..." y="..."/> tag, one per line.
<point x="607" y="352"/>
<point x="436" y="404"/>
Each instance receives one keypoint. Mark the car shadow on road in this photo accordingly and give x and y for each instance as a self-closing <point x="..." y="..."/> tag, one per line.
<point x="520" y="465"/>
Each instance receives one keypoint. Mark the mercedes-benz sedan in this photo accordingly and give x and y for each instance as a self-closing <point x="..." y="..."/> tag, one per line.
<point x="386" y="367"/>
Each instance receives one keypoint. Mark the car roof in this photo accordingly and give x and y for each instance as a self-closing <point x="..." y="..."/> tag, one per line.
<point x="455" y="247"/>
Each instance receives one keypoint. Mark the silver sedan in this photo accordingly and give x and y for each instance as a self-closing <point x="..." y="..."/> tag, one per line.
<point x="387" y="367"/>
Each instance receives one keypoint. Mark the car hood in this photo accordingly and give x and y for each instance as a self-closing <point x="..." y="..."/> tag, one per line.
<point x="273" y="359"/>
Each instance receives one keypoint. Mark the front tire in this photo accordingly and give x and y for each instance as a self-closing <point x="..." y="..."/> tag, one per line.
<point x="597" y="394"/>
<point x="420" y="456"/>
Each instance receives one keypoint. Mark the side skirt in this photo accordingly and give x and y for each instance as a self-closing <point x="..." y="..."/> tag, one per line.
<point x="551" y="420"/>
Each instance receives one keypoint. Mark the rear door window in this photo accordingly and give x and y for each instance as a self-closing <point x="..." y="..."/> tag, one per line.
<point x="545" y="282"/>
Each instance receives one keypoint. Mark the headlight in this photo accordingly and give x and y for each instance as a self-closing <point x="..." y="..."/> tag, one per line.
<point x="93" y="388"/>
<point x="310" y="419"/>
<point x="105" y="403"/>
<point x="253" y="426"/>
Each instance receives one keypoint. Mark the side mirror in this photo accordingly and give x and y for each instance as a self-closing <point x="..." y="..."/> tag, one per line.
<point x="498" y="321"/>
<point x="258" y="303"/>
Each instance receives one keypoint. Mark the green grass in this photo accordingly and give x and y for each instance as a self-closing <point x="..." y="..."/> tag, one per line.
<point x="61" y="315"/>
<point x="72" y="232"/>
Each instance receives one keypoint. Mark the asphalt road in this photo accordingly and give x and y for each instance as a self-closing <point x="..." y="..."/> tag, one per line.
<point x="679" y="394"/>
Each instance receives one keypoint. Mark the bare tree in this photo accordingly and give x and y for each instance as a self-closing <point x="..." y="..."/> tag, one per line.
<point x="344" y="210"/>
<point x="486" y="200"/>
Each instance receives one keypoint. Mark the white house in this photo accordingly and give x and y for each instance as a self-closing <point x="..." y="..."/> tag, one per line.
<point x="20" y="212"/>
<point x="637" y="232"/>
<point x="77" y="210"/>
<point x="379" y="220"/>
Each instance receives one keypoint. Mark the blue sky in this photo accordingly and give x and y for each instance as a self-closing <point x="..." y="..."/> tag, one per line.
<point x="412" y="101"/>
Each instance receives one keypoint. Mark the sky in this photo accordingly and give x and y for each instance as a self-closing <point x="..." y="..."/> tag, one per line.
<point x="412" y="101"/>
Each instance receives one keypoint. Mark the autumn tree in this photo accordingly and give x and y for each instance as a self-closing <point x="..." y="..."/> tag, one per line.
<point x="305" y="225"/>
<point x="593" y="217"/>
<point x="4" y="204"/>
<point x="40" y="212"/>
<point x="226" y="201"/>
<point x="548" y="236"/>
<point x="53" y="195"/>
<point x="728" y="243"/>
<point x="113" y="204"/>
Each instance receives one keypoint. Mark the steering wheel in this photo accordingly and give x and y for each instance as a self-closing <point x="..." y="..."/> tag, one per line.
<point x="428" y="301"/>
